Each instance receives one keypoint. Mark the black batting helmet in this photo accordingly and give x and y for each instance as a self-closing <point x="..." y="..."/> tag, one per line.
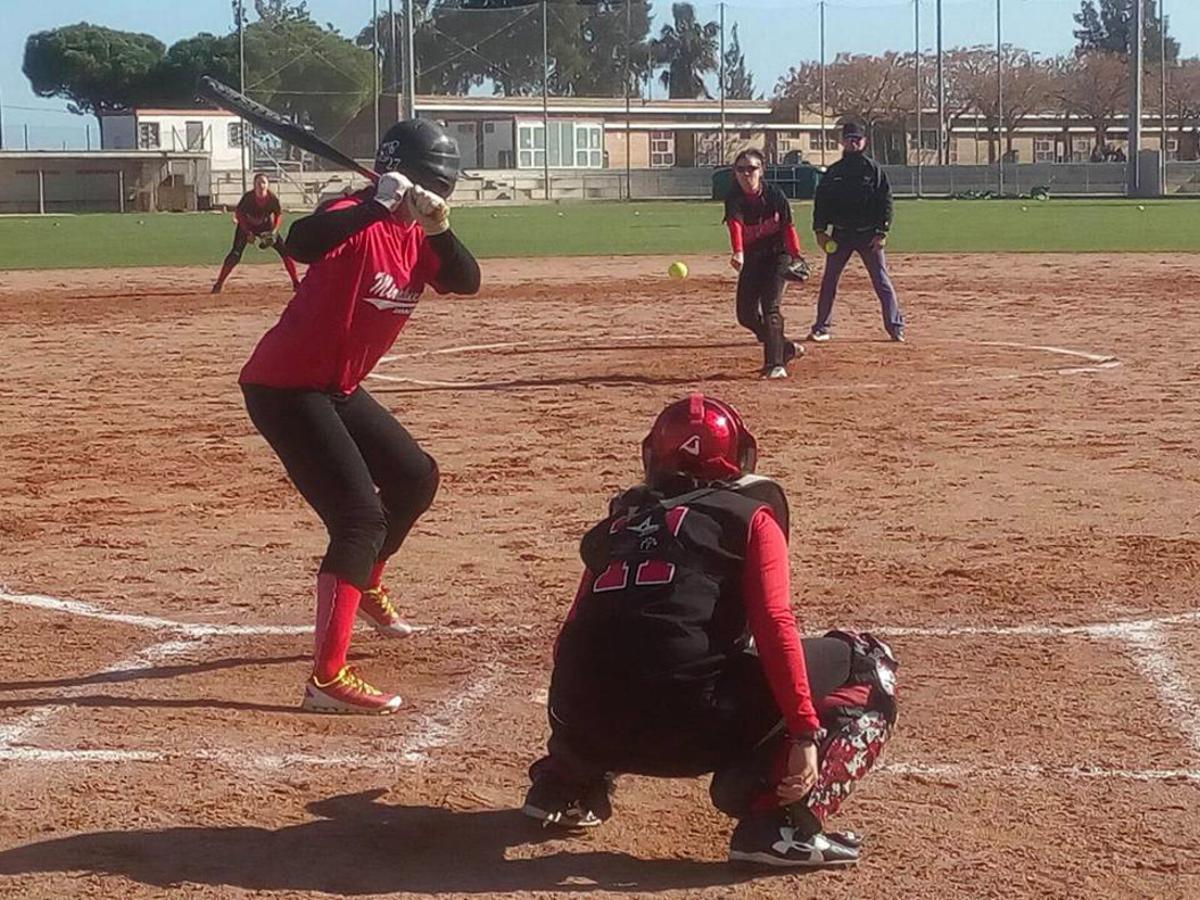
<point x="420" y="149"/>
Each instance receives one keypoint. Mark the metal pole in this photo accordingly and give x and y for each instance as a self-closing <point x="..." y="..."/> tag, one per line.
<point x="26" y="126"/>
<point x="243" y="128"/>
<point x="394" y="56"/>
<point x="41" y="192"/>
<point x="943" y="154"/>
<point x="1138" y="22"/>
<point x="121" y="190"/>
<point x="1162" y="60"/>
<point x="375" y="57"/>
<point x="824" y="138"/>
<point x="721" y="161"/>
<point x="87" y="130"/>
<point x="410" y="65"/>
<point x="917" y="66"/>
<point x="1" y="120"/>
<point x="999" y="104"/>
<point x="628" y="130"/>
<point x="546" y="96"/>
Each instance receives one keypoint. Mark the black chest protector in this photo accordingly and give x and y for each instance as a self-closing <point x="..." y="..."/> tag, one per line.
<point x="664" y="611"/>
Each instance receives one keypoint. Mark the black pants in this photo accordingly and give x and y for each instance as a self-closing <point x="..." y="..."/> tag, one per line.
<point x="241" y="239"/>
<point x="689" y="738"/>
<point x="759" y="298"/>
<point x="358" y="467"/>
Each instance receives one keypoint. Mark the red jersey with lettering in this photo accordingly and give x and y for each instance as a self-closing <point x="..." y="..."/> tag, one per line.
<point x="258" y="216"/>
<point x="348" y="311"/>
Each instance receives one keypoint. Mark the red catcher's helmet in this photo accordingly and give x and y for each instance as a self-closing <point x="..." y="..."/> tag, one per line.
<point x="700" y="437"/>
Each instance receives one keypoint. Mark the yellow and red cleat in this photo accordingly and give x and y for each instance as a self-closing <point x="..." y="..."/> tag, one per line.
<point x="346" y="692"/>
<point x="376" y="607"/>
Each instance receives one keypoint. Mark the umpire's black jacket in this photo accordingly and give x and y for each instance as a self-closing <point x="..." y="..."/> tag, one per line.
<point x="854" y="196"/>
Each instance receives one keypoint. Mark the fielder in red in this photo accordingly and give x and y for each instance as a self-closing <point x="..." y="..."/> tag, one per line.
<point x="258" y="216"/>
<point x="681" y="656"/>
<point x="370" y="258"/>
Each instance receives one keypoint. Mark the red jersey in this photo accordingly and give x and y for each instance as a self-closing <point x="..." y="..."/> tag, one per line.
<point x="348" y="311"/>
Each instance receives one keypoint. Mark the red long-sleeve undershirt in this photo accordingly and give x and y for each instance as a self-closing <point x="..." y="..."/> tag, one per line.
<point x="737" y="238"/>
<point x="766" y="594"/>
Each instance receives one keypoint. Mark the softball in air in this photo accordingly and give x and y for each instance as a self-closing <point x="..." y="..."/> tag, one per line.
<point x="831" y="246"/>
<point x="677" y="270"/>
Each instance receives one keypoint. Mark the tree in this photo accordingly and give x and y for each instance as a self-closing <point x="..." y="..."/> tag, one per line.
<point x="173" y="80"/>
<point x="1093" y="86"/>
<point x="309" y="72"/>
<point x="98" y="70"/>
<point x="458" y="47"/>
<point x="1108" y="28"/>
<point x="687" y="50"/>
<point x="872" y="89"/>
<point x="739" y="83"/>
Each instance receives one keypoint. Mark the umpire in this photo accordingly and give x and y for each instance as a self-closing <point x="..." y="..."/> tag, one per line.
<point x="855" y="198"/>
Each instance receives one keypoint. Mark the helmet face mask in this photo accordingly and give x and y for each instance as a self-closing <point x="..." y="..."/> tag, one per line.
<point x="421" y="150"/>
<point x="700" y="438"/>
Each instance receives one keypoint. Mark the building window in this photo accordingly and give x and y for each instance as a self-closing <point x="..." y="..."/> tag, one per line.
<point x="194" y="132"/>
<point x="572" y="145"/>
<point x="1043" y="150"/>
<point x="1172" y="148"/>
<point x="929" y="140"/>
<point x="662" y="149"/>
<point x="235" y="134"/>
<point x="148" y="136"/>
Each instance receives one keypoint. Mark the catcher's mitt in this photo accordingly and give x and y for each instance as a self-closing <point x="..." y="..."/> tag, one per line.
<point x="266" y="241"/>
<point x="796" y="269"/>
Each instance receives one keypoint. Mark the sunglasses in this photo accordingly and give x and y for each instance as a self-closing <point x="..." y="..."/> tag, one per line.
<point x="746" y="170"/>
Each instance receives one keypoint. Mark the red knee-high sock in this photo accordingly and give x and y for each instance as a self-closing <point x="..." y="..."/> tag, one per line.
<point x="337" y="605"/>
<point x="290" y="265"/>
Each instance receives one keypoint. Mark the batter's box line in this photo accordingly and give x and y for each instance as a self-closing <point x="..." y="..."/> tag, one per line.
<point x="251" y="759"/>
<point x="1116" y="629"/>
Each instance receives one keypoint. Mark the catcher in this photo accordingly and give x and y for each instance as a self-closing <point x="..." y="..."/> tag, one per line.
<point x="766" y="254"/>
<point x="680" y="656"/>
<point x="258" y="215"/>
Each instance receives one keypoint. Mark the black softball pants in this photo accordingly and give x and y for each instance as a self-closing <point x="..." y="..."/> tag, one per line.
<point x="359" y="468"/>
<point x="759" y="304"/>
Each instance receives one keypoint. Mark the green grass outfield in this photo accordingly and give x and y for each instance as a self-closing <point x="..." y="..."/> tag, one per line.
<point x="593" y="229"/>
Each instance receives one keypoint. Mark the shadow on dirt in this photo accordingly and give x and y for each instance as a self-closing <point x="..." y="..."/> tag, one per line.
<point x="359" y="846"/>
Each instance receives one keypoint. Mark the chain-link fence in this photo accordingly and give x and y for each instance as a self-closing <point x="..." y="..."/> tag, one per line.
<point x="551" y="92"/>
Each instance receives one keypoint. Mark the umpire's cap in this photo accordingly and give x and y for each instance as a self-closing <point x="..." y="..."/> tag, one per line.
<point x="853" y="130"/>
<point x="422" y="150"/>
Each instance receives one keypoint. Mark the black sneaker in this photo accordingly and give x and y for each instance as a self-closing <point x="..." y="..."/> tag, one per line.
<point x="897" y="334"/>
<point x="553" y="803"/>
<point x="790" y="351"/>
<point x="819" y="335"/>
<point x="769" y="841"/>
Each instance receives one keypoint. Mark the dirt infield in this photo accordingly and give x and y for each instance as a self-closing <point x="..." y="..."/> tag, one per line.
<point x="1012" y="496"/>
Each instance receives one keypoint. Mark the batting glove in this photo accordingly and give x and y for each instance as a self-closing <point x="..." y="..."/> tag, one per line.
<point x="428" y="210"/>
<point x="391" y="190"/>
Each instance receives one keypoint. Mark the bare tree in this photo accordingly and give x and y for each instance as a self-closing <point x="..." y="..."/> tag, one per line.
<point x="871" y="89"/>
<point x="1093" y="86"/>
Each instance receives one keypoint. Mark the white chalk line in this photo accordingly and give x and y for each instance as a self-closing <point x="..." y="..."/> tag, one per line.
<point x="1034" y="771"/>
<point x="81" y="608"/>
<point x="251" y="760"/>
<point x="442" y="726"/>
<point x="1152" y="657"/>
<point x="1100" y="362"/>
<point x="26" y="725"/>
<point x="197" y="630"/>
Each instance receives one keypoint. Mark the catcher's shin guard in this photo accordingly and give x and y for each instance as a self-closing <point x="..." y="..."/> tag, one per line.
<point x="848" y="757"/>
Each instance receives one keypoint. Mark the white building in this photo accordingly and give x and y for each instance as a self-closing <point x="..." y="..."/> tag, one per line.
<point x="211" y="131"/>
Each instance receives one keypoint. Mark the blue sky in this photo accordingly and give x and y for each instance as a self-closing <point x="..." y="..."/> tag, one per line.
<point x="774" y="33"/>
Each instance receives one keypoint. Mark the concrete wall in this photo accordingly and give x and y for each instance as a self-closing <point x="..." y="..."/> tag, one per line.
<point x="95" y="182"/>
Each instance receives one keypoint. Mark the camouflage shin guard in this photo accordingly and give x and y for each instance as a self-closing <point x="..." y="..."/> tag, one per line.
<point x="849" y="756"/>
